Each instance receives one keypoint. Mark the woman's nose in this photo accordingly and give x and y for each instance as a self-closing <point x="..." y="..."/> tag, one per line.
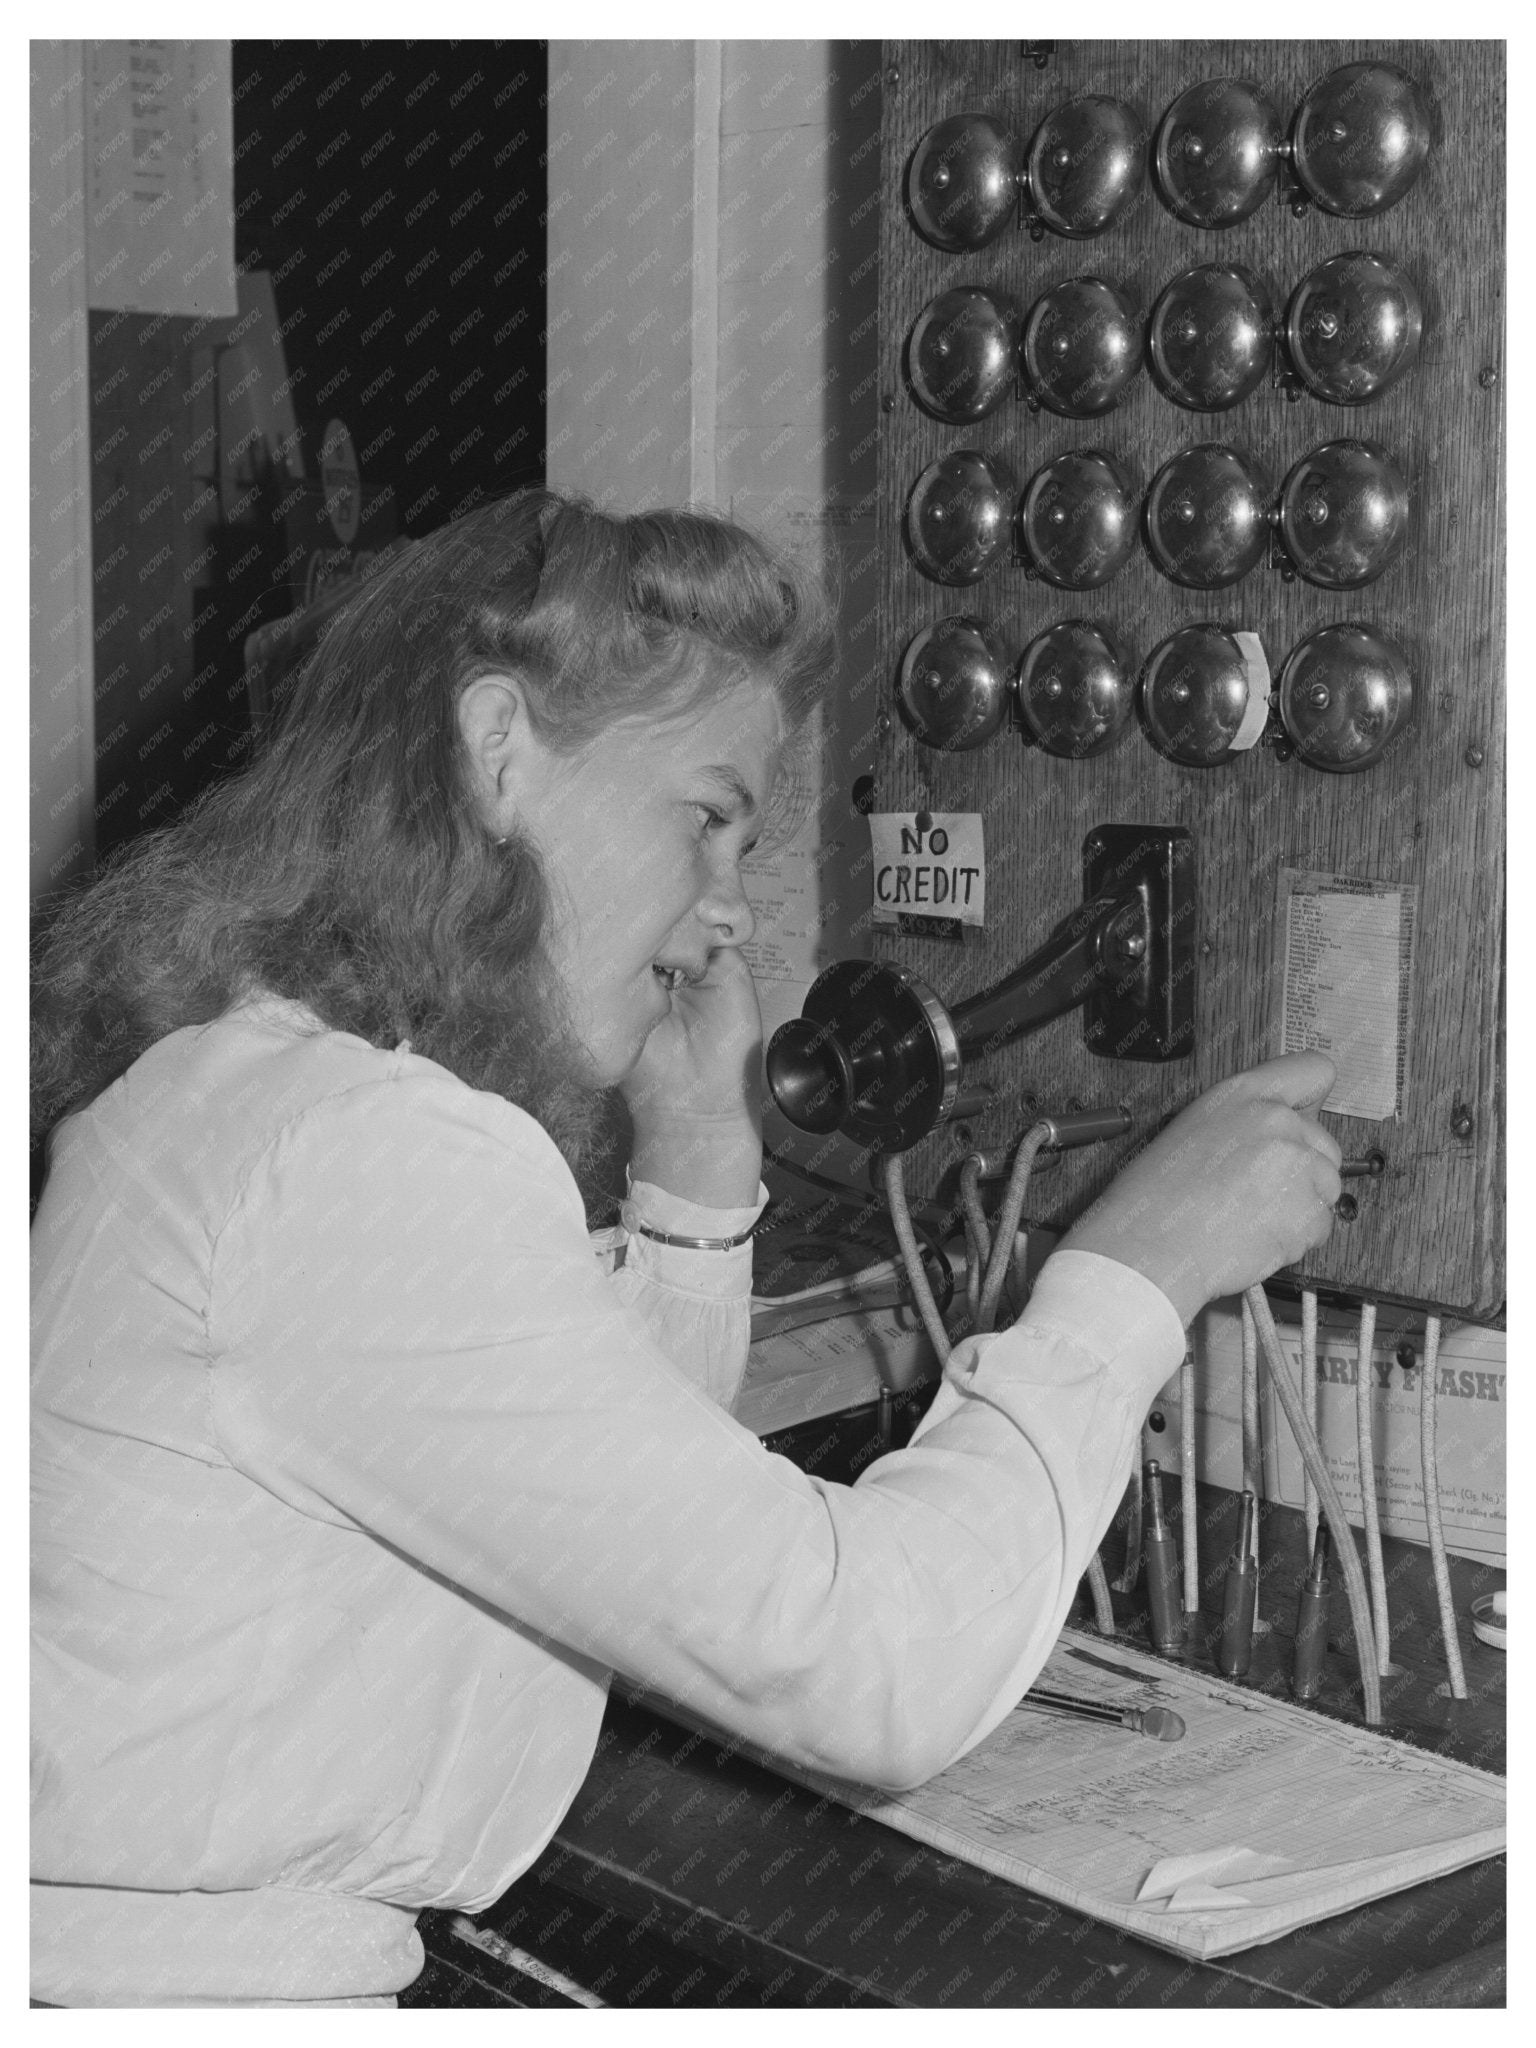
<point x="725" y="909"/>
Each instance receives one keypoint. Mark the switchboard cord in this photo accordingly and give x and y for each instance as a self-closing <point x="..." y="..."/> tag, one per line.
<point x="1429" y="1407"/>
<point x="997" y="1262"/>
<point x="1328" y="1494"/>
<point x="1189" y="1508"/>
<point x="1252" y="1456"/>
<point x="1126" y="1583"/>
<point x="978" y="1238"/>
<point x="1309" y="1402"/>
<point x="1369" y="1513"/>
<point x="1008" y="1221"/>
<point x="893" y="1177"/>
<point x="894" y="1180"/>
<point x="1098" y="1586"/>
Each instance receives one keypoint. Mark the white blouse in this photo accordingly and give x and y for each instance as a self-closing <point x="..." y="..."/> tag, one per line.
<point x="355" y="1477"/>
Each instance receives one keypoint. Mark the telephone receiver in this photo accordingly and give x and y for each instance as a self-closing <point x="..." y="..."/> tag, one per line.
<point x="876" y="1055"/>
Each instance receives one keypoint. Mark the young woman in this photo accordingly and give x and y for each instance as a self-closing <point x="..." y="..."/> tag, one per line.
<point x="356" y="1473"/>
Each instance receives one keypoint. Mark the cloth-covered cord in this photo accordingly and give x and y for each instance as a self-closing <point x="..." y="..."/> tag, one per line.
<point x="1252" y="1456"/>
<point x="1370" y="1514"/>
<point x="894" y="1179"/>
<point x="1429" y="1406"/>
<point x="978" y="1238"/>
<point x="1008" y="1221"/>
<point x="1309" y="1402"/>
<point x="1189" y="1511"/>
<point x="1098" y="1585"/>
<point x="1126" y="1582"/>
<point x="1328" y="1494"/>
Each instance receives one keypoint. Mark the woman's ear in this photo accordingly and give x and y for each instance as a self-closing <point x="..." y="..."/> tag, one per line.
<point x="504" y="751"/>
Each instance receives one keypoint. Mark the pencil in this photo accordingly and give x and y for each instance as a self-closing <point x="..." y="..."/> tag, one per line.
<point x="1161" y="1723"/>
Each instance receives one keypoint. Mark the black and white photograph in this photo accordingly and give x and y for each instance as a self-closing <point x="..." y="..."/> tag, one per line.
<point x="768" y="1164"/>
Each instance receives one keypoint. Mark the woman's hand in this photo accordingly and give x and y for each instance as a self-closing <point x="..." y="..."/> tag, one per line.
<point x="1240" y="1183"/>
<point x="693" y="1095"/>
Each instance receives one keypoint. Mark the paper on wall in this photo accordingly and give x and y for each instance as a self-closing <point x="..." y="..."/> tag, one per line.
<point x="160" y="177"/>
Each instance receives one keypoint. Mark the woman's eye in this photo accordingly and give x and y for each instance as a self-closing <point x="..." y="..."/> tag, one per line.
<point x="712" y="819"/>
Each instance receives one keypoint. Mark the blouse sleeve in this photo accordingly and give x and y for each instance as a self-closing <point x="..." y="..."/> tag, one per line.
<point x="410" y="1338"/>
<point x="695" y="1305"/>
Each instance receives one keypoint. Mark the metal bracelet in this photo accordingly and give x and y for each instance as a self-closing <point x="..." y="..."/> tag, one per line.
<point x="695" y="1244"/>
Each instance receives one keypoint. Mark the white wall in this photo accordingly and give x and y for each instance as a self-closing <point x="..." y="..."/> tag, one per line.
<point x="711" y="298"/>
<point x="62" y="763"/>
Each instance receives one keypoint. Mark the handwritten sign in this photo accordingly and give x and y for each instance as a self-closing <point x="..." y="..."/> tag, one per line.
<point x="930" y="871"/>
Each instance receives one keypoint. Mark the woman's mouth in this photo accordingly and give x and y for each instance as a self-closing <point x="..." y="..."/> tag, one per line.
<point x="672" y="976"/>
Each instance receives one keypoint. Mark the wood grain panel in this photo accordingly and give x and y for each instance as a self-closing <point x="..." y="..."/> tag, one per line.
<point x="1432" y="1229"/>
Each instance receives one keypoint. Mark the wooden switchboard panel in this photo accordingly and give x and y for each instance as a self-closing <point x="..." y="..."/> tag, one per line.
<point x="1428" y="817"/>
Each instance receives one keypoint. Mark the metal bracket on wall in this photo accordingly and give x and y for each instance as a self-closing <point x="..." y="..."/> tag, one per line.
<point x="1148" y="1011"/>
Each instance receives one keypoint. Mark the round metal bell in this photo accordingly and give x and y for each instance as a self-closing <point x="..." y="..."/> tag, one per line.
<point x="955" y="683"/>
<point x="960" y="357"/>
<point x="1360" y="138"/>
<point x="1344" y="514"/>
<point x="1353" y="327"/>
<point x="963" y="182"/>
<point x="1345" y="693"/>
<point x="1085" y="165"/>
<point x="1081" y="347"/>
<point x="1194" y="695"/>
<point x="1208" y="516"/>
<point x="1217" y="147"/>
<point x="1078" y="519"/>
<point x="1211" y="336"/>
<point x="957" y="516"/>
<point x="1075" y="692"/>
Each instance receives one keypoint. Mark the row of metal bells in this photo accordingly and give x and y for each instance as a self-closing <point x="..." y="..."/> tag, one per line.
<point x="1216" y="152"/>
<point x="1082" y="172"/>
<point x="1080" y="350"/>
<point x="1358" y="141"/>
<point x="1353" y="327"/>
<point x="1345" y="691"/>
<point x="1342" y="515"/>
<point x="1077" y="519"/>
<point x="1352" y="330"/>
<point x="1073" y="688"/>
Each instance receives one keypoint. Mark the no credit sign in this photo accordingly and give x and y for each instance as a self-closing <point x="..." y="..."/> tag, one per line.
<point x="928" y="864"/>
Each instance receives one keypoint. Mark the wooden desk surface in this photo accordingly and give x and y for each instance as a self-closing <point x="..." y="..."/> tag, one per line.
<point x="684" y="1875"/>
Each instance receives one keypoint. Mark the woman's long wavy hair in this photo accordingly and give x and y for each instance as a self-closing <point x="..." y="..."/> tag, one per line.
<point x="348" y="868"/>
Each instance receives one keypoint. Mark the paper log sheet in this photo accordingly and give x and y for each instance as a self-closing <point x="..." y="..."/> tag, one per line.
<point x="819" y="1369"/>
<point x="1262" y="1818"/>
<point x="1345" y="986"/>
